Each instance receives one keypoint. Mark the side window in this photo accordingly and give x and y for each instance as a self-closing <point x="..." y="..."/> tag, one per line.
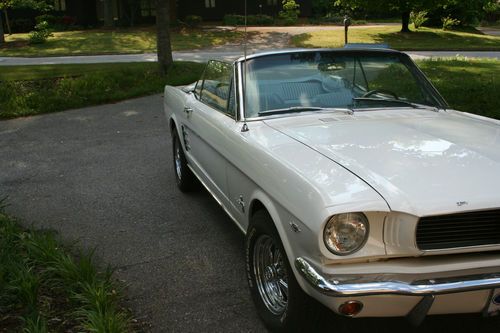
<point x="216" y="90"/>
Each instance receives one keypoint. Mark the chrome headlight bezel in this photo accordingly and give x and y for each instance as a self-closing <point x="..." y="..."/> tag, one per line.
<point x="357" y="222"/>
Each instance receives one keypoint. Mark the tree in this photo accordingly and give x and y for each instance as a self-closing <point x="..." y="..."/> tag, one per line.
<point x="164" y="48"/>
<point x="2" y="35"/>
<point x="404" y="7"/>
<point x="39" y="5"/>
<point x="108" y="13"/>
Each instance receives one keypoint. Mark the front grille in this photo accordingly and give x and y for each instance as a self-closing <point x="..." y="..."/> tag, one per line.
<point x="459" y="230"/>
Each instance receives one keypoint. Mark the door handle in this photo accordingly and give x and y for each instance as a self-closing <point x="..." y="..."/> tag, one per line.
<point x="187" y="110"/>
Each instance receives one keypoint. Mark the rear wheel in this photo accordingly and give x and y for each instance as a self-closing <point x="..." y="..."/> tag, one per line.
<point x="183" y="175"/>
<point x="280" y="301"/>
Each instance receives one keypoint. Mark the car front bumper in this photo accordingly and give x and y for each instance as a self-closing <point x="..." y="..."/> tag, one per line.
<point x="381" y="285"/>
<point x="400" y="295"/>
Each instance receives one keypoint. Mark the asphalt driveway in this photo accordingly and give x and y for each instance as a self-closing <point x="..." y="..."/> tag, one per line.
<point x="103" y="178"/>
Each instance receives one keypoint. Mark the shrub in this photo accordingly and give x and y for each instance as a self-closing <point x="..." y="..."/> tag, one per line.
<point x="41" y="33"/>
<point x="233" y="19"/>
<point x="193" y="20"/>
<point x="260" y="20"/>
<point x="418" y="18"/>
<point x="290" y="12"/>
<point x="50" y="19"/>
<point x="449" y="22"/>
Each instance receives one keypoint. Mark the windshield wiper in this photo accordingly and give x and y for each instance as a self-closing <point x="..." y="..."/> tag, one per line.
<point x="290" y="109"/>
<point x="398" y="101"/>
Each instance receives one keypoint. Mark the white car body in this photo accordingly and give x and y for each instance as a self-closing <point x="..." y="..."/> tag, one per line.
<point x="396" y="165"/>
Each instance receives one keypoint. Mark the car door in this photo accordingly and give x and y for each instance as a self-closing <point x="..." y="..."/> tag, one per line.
<point x="209" y="116"/>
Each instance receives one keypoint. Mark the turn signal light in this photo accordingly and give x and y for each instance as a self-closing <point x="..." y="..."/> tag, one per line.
<point x="351" y="308"/>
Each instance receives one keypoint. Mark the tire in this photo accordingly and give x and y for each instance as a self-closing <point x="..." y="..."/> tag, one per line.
<point x="294" y="311"/>
<point x="184" y="177"/>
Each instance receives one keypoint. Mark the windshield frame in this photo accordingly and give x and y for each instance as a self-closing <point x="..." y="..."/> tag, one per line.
<point x="240" y="66"/>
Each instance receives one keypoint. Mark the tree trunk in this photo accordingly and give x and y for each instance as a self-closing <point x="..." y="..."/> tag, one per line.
<point x="2" y="37"/>
<point x="108" y="13"/>
<point x="7" y="22"/>
<point x="164" y="49"/>
<point x="405" y="17"/>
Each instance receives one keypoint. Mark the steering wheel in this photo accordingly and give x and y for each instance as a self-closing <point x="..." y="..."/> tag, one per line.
<point x="382" y="91"/>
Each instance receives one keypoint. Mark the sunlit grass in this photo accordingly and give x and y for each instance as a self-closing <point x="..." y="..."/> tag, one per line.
<point x="120" y="41"/>
<point x="421" y="39"/>
<point x="468" y="85"/>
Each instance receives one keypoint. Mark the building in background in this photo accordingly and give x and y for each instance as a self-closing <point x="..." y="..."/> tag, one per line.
<point x="95" y="13"/>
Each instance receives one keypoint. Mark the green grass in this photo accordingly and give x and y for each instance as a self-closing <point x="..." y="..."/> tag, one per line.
<point x="31" y="90"/>
<point x="422" y="39"/>
<point x="120" y="41"/>
<point x="467" y="85"/>
<point x="43" y="288"/>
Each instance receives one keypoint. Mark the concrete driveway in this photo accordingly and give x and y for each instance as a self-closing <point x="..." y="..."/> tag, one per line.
<point x="103" y="178"/>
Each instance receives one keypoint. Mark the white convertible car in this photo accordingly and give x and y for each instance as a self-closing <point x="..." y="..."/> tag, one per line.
<point x="353" y="180"/>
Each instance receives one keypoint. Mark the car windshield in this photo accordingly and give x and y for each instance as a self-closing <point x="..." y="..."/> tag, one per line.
<point x="318" y="80"/>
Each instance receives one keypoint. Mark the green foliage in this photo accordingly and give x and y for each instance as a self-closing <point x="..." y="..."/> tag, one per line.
<point x="56" y="88"/>
<point x="290" y="12"/>
<point x="41" y="33"/>
<point x="37" y="5"/>
<point x="193" y="20"/>
<point x="40" y="281"/>
<point x="449" y="22"/>
<point x="235" y="20"/>
<point x="418" y="18"/>
<point x="323" y="8"/>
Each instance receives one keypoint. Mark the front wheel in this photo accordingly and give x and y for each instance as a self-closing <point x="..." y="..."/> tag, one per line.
<point x="183" y="175"/>
<point x="280" y="301"/>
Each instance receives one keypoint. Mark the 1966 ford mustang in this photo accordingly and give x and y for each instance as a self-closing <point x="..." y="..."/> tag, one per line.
<point x="354" y="183"/>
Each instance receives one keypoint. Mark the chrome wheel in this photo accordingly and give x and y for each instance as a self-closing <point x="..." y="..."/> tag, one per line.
<point x="270" y="274"/>
<point x="177" y="160"/>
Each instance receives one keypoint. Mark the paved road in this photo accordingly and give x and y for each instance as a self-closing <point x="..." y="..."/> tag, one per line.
<point x="102" y="176"/>
<point x="202" y="56"/>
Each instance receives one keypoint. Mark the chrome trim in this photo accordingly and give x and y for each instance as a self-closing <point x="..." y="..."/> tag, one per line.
<point x="382" y="285"/>
<point x="240" y="99"/>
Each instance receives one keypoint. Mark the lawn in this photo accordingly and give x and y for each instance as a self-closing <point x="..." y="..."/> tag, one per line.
<point x="467" y="85"/>
<point x="422" y="39"/>
<point x="120" y="41"/>
<point x="45" y="288"/>
<point x="30" y="90"/>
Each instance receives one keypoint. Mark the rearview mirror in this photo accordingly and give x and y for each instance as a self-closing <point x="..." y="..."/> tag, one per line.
<point x="331" y="66"/>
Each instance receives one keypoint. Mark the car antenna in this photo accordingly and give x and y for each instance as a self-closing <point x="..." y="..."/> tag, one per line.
<point x="245" y="126"/>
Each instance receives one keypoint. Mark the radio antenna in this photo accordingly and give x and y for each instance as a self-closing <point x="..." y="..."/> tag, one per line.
<point x="245" y="126"/>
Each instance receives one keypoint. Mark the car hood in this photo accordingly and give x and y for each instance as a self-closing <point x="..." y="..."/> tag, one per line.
<point x="421" y="162"/>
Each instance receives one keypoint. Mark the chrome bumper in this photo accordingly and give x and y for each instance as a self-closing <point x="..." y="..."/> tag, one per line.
<point x="388" y="284"/>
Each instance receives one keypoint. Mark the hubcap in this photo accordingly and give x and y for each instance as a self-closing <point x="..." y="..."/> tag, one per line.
<point x="177" y="160"/>
<point x="270" y="274"/>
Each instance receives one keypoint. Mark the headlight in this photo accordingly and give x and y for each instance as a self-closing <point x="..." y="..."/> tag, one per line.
<point x="346" y="233"/>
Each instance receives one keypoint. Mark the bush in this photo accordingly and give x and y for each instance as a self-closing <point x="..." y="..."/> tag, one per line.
<point x="193" y="20"/>
<point x="41" y="33"/>
<point x="50" y="19"/>
<point x="290" y="12"/>
<point x="233" y="19"/>
<point x="449" y="22"/>
<point x="418" y="18"/>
